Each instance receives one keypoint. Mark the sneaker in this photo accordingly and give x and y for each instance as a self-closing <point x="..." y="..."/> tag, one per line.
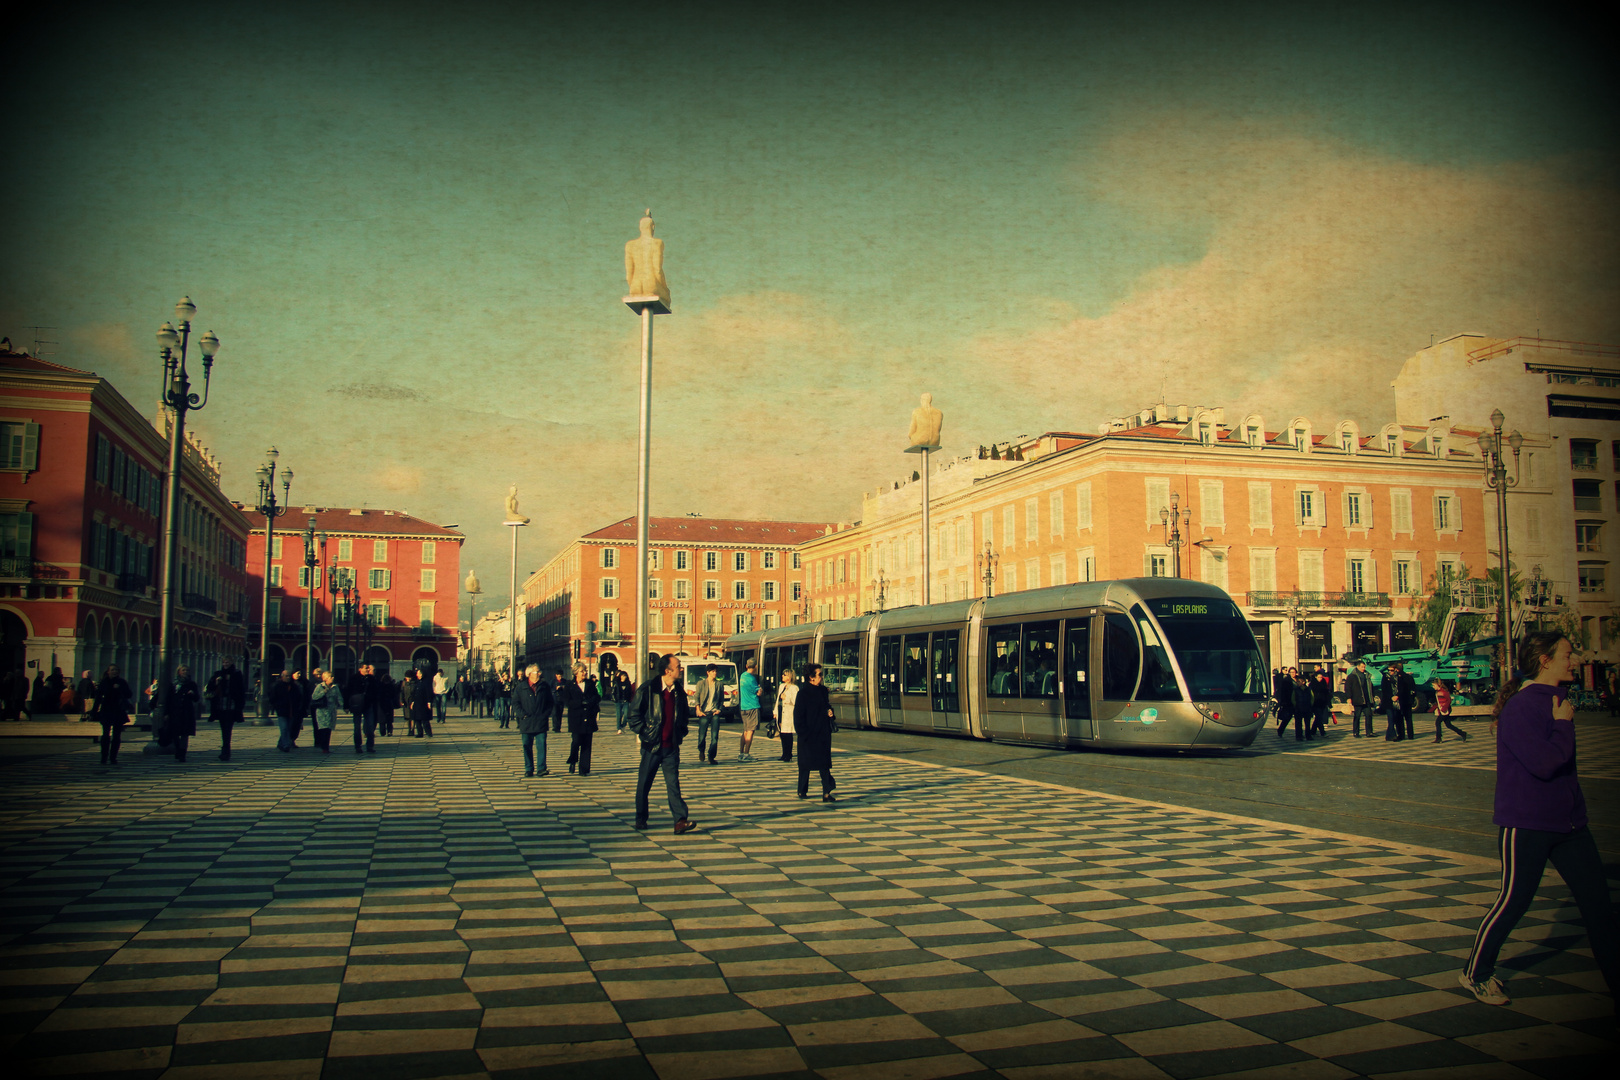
<point x="1490" y="991"/>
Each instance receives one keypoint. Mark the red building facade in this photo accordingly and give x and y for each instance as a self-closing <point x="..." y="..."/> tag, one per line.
<point x="81" y="532"/>
<point x="404" y="574"/>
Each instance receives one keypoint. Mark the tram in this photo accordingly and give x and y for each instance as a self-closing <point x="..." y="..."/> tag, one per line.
<point x="1161" y="663"/>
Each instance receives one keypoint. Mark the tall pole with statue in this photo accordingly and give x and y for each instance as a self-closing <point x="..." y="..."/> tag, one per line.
<point x="923" y="438"/>
<point x="648" y="296"/>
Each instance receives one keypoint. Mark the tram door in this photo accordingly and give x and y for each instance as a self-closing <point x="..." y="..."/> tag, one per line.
<point x="770" y="676"/>
<point x="888" y="680"/>
<point x="1076" y="684"/>
<point x="946" y="696"/>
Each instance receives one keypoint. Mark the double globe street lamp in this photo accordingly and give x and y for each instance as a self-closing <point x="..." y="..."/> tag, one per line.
<point x="1497" y="479"/>
<point x="271" y="509"/>
<point x="174" y="340"/>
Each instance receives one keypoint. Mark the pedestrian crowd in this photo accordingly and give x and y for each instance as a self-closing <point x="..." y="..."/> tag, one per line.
<point x="1306" y="700"/>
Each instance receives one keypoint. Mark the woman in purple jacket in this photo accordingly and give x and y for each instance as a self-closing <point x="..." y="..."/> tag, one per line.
<point x="1541" y="814"/>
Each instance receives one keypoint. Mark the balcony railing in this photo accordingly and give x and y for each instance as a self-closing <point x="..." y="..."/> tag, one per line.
<point x="23" y="568"/>
<point x="199" y="602"/>
<point x="1589" y="504"/>
<point x="1318" y="600"/>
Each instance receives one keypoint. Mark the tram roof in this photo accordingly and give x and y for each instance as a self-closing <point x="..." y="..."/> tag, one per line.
<point x="1125" y="591"/>
<point x="954" y="611"/>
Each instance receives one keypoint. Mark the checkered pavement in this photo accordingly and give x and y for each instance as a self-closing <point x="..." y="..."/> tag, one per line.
<point x="428" y="912"/>
<point x="1597" y="745"/>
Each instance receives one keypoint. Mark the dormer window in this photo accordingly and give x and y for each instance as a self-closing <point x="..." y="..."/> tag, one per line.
<point x="1206" y="434"/>
<point x="1392" y="443"/>
<point x="1302" y="439"/>
<point x="1347" y="442"/>
<point x="1252" y="435"/>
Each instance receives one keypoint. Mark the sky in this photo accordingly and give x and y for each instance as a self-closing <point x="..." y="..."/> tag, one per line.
<point x="406" y="223"/>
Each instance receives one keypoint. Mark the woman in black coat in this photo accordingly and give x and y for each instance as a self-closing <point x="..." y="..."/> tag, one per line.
<point x="582" y="702"/>
<point x="185" y="701"/>
<point x="812" y="721"/>
<point x="419" y="706"/>
<point x="114" y="702"/>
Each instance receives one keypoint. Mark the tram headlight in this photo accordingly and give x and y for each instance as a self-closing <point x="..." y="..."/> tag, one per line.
<point x="1208" y="712"/>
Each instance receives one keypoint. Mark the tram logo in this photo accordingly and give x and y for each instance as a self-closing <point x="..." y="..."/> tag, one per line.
<point x="1149" y="715"/>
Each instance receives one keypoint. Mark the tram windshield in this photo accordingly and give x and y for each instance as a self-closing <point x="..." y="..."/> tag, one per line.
<point x="1214" y="646"/>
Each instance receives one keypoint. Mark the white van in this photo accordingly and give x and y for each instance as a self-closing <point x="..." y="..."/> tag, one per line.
<point x="694" y="669"/>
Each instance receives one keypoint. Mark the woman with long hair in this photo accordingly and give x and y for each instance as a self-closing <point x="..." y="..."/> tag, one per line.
<point x="1541" y="814"/>
<point x="785" y="698"/>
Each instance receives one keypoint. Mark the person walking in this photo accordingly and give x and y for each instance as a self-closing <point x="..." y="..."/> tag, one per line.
<point x="1282" y="688"/>
<point x="1442" y="710"/>
<point x="1321" y="702"/>
<point x="709" y="696"/>
<point x="420" y="711"/>
<point x="408" y="689"/>
<point x="557" y="688"/>
<point x="324" y="710"/>
<point x="659" y="718"/>
<point x="748" y="708"/>
<point x="623" y="691"/>
<point x="531" y="707"/>
<point x="1389" y="698"/>
<point x="114" y="702"/>
<point x="359" y="696"/>
<point x="384" y="700"/>
<point x="1302" y="705"/>
<point x="440" y="688"/>
<point x="813" y="721"/>
<point x="227" y="690"/>
<point x="1540" y="814"/>
<point x="185" y="702"/>
<point x="582" y="703"/>
<point x="82" y="693"/>
<point x="1359" y="689"/>
<point x="287" y="699"/>
<point x="784" y="712"/>
<point x="1406" y="688"/>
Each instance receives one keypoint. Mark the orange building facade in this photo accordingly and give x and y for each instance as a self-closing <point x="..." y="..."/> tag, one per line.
<point x="1335" y="533"/>
<point x="82" y="482"/>
<point x="406" y="575"/>
<point x="707" y="578"/>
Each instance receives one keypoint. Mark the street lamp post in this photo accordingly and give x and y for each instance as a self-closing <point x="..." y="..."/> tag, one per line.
<point x="473" y="590"/>
<point x="312" y="590"/>
<point x="1497" y="479"/>
<point x="1171" y="519"/>
<point x="880" y="590"/>
<point x="332" y="591"/>
<point x="173" y="343"/>
<point x="987" y="560"/>
<point x="271" y="510"/>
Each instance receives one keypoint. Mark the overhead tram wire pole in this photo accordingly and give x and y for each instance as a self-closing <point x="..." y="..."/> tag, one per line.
<point x="1171" y="519"/>
<point x="178" y="399"/>
<point x="1497" y="479"/>
<point x="312" y="590"/>
<point x="271" y="510"/>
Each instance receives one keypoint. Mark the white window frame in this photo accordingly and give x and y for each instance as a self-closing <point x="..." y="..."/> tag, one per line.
<point x="1212" y="503"/>
<point x="1317" y="517"/>
<point x="1058" y="569"/>
<point x="711" y="562"/>
<point x="1312" y="559"/>
<point x="345" y="549"/>
<point x="711" y="588"/>
<point x="1213" y="566"/>
<point x="1263" y="569"/>
<point x="767" y="560"/>
<point x="430" y="580"/>
<point x="1447" y="502"/>
<point x="1032" y="573"/>
<point x="607" y="558"/>
<point x="1009" y="524"/>
<point x="655" y="588"/>
<point x="1362" y="501"/>
<point x="1260" y="500"/>
<point x="739" y="589"/>
<point x="430" y="551"/>
<point x="379" y="551"/>
<point x="739" y="562"/>
<point x="1156" y="490"/>
<point x="683" y="588"/>
<point x="1086" y="566"/>
<point x="607" y="588"/>
<point x="1055" y="513"/>
<point x="1082" y="505"/>
<point x="1032" y="520"/>
<point x="683" y="560"/>
<point x="1400" y="506"/>
<point x="767" y="591"/>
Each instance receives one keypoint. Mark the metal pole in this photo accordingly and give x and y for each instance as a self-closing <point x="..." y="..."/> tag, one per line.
<point x="1505" y="602"/>
<point x="309" y="613"/>
<point x="171" y="551"/>
<point x="264" y="611"/>
<point x="644" y="462"/>
<point x="331" y="635"/>
<point x="511" y="621"/>
<point x="926" y="537"/>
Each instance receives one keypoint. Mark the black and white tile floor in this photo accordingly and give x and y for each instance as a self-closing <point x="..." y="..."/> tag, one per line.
<point x="428" y="912"/>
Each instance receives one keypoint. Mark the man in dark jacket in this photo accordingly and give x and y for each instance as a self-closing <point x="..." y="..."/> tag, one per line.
<point x="1406" y="689"/>
<point x="813" y="721"/>
<point x="1303" y="704"/>
<point x="1321" y="702"/>
<point x="359" y="697"/>
<point x="227" y="689"/>
<point x="557" y="687"/>
<point x="1283" y="691"/>
<point x="1359" y="689"/>
<point x="659" y="718"/>
<point x="287" y="699"/>
<point x="531" y="706"/>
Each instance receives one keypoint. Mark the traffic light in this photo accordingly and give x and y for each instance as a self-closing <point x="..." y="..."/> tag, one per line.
<point x="576" y="650"/>
<point x="590" y="640"/>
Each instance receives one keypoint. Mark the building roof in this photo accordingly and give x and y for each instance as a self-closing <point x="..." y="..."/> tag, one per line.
<point x="23" y="361"/>
<point x="343" y="520"/>
<point x="699" y="531"/>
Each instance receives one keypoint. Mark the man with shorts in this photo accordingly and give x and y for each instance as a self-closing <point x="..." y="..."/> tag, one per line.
<point x="748" y="687"/>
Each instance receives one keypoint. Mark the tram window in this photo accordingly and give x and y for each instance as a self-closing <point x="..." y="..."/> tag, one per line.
<point x="1004" y="661"/>
<point x="1158" y="677"/>
<point x="1120" y="655"/>
<point x="801" y="659"/>
<point x="914" y="670"/>
<point x="841" y="659"/>
<point x="773" y="669"/>
<point x="888" y="673"/>
<point x="1076" y="661"/>
<point x="1040" y="659"/>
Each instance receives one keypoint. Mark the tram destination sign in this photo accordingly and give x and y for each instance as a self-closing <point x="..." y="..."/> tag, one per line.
<point x="1193" y="607"/>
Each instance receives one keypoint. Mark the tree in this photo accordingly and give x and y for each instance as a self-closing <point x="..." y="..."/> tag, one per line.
<point x="1431" y="612"/>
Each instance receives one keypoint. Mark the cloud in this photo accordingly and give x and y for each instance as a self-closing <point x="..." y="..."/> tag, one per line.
<point x="375" y="391"/>
<point x="1324" y="266"/>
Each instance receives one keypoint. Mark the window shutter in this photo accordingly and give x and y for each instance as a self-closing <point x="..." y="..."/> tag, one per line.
<point x="388" y="579"/>
<point x="30" y="447"/>
<point x="25" y="535"/>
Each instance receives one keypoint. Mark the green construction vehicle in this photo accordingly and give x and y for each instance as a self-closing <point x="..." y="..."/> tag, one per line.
<point x="1466" y="667"/>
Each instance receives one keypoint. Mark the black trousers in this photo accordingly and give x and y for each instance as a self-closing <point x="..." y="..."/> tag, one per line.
<point x="323" y="738"/>
<point x="579" y="751"/>
<point x="1362" y="712"/>
<point x="1525" y="853"/>
<point x="1445" y="718"/>
<point x="1285" y="713"/>
<point x="368" y="720"/>
<point x="181" y="742"/>
<point x="787" y="746"/>
<point x="1396" y="728"/>
<point x="656" y="759"/>
<point x="827" y="781"/>
<point x="226" y="723"/>
<point x="112" y="737"/>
